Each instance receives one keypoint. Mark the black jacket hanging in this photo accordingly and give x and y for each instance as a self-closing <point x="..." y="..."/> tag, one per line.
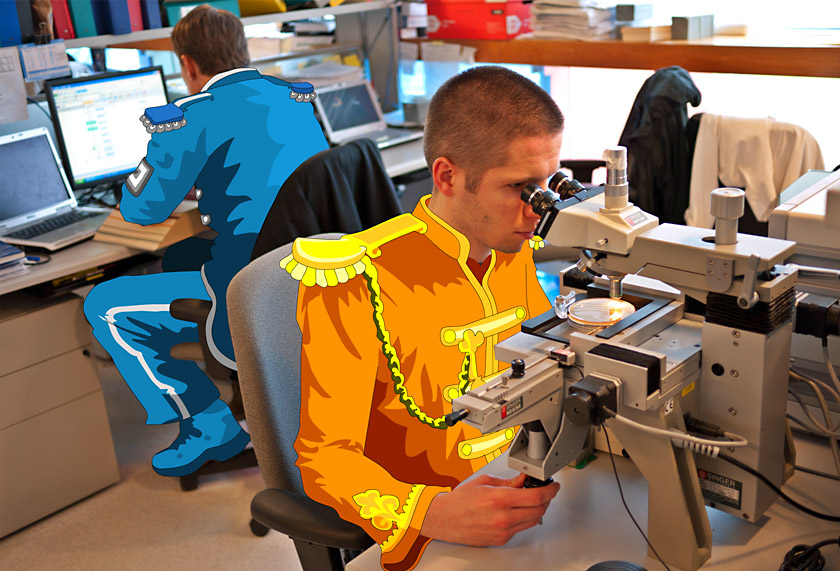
<point x="658" y="155"/>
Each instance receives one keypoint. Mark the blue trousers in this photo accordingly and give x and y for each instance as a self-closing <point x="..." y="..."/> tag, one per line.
<point x="131" y="320"/>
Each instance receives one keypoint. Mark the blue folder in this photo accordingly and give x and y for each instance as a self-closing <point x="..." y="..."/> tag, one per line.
<point x="112" y="16"/>
<point x="9" y="26"/>
<point x="151" y="14"/>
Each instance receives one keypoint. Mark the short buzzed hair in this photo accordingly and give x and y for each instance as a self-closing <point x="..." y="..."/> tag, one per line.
<point x="213" y="38"/>
<point x="475" y="114"/>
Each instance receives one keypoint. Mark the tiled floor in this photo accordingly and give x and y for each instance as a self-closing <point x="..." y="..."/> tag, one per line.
<point x="145" y="521"/>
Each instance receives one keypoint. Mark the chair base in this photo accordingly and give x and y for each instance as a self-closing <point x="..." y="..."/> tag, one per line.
<point x="314" y="557"/>
<point x="245" y="459"/>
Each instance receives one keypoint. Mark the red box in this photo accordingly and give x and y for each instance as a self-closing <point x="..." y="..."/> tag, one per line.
<point x="476" y="20"/>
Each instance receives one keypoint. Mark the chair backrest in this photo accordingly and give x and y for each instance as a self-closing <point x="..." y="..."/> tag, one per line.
<point x="262" y="305"/>
<point x="344" y="189"/>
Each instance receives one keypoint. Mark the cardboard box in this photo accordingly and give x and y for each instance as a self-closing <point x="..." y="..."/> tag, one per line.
<point x="465" y="19"/>
<point x="692" y="27"/>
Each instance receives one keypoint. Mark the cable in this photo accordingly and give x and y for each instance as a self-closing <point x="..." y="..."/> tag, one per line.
<point x="683" y="440"/>
<point x="828" y="365"/>
<point x="36" y="259"/>
<point x="802" y="375"/>
<point x="828" y="430"/>
<point x="824" y="387"/>
<point x="806" y="558"/>
<point x="815" y="424"/>
<point x="778" y="490"/>
<point x="38" y="105"/>
<point x="621" y="493"/>
<point x="817" y="473"/>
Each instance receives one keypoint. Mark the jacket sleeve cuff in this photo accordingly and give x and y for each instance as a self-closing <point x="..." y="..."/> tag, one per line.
<point x="403" y="548"/>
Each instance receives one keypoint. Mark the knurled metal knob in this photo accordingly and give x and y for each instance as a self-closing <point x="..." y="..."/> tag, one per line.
<point x="727" y="208"/>
<point x="728" y="203"/>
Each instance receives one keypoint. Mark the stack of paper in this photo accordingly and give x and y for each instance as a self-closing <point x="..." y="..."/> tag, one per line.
<point x="573" y="19"/>
<point x="646" y="33"/>
<point x="11" y="261"/>
<point x="326" y="73"/>
<point x="184" y="222"/>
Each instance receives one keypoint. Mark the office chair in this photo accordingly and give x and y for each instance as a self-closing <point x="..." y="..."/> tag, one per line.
<point x="262" y="305"/>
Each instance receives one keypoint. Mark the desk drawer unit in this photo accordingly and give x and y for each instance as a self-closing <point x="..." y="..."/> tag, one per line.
<point x="55" y="439"/>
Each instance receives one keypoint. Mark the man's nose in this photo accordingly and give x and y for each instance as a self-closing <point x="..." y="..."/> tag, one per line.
<point x="528" y="212"/>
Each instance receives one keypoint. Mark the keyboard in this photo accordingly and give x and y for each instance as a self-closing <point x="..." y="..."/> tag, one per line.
<point x="51" y="224"/>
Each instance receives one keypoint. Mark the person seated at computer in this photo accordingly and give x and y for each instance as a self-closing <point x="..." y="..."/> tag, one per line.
<point x="235" y="141"/>
<point x="392" y="339"/>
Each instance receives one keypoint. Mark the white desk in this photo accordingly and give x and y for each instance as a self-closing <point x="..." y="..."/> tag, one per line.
<point x="404" y="158"/>
<point x="586" y="524"/>
<point x="87" y="254"/>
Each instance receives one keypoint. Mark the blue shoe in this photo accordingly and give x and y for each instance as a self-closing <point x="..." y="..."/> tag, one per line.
<point x="209" y="435"/>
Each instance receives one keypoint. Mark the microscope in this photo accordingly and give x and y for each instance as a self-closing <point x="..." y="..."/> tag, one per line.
<point x="683" y="329"/>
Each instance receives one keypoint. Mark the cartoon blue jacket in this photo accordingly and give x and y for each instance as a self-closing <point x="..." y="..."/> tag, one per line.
<point x="239" y="119"/>
<point x="235" y="142"/>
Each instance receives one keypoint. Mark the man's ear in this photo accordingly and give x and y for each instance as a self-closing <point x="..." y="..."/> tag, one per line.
<point x="189" y="66"/>
<point x="443" y="175"/>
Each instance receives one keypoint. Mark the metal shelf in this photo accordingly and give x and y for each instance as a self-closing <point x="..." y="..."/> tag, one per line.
<point x="164" y="33"/>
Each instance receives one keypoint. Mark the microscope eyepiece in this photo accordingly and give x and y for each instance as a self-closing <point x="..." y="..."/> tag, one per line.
<point x="564" y="186"/>
<point x="541" y="201"/>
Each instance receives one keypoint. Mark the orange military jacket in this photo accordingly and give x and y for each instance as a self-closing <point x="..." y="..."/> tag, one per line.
<point x="395" y="325"/>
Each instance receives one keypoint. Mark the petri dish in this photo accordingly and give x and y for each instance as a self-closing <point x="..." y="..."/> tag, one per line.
<point x="599" y="311"/>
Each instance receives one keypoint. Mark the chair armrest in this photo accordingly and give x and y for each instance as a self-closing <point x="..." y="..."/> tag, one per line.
<point x="300" y="517"/>
<point x="195" y="310"/>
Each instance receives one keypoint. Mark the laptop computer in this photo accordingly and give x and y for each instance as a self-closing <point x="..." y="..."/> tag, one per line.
<point x="37" y="205"/>
<point x="352" y="111"/>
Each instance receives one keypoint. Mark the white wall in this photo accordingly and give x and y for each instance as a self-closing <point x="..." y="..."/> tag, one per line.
<point x="596" y="103"/>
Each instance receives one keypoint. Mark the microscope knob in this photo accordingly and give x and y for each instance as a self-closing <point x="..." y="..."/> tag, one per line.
<point x="517" y="369"/>
<point x="455" y="416"/>
<point x="728" y="203"/>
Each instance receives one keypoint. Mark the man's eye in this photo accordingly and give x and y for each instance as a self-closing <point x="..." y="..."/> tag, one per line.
<point x="518" y="185"/>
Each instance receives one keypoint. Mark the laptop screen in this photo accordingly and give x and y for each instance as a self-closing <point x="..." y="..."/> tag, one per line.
<point x="97" y="123"/>
<point x="348" y="107"/>
<point x="31" y="178"/>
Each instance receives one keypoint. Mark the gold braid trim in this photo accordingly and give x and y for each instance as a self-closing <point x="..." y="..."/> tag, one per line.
<point x="385" y="513"/>
<point x="393" y="359"/>
<point x="407" y="511"/>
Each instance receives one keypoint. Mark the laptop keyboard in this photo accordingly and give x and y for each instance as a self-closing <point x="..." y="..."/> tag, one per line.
<point x="51" y="224"/>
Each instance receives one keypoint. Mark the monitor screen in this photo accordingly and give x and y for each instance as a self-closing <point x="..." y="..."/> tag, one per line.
<point x="97" y="122"/>
<point x="348" y="107"/>
<point x="23" y="188"/>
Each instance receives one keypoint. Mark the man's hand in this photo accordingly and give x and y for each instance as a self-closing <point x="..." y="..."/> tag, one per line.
<point x="486" y="511"/>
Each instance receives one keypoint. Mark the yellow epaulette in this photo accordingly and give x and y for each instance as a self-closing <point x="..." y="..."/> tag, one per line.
<point x="331" y="262"/>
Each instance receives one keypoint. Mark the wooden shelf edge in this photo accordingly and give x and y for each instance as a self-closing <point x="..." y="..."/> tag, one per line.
<point x="810" y="61"/>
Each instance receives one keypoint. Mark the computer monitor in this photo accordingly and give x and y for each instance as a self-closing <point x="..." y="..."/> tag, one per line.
<point x="97" y="125"/>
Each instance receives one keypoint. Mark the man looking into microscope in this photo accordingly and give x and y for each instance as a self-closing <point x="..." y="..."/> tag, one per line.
<point x="385" y="353"/>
